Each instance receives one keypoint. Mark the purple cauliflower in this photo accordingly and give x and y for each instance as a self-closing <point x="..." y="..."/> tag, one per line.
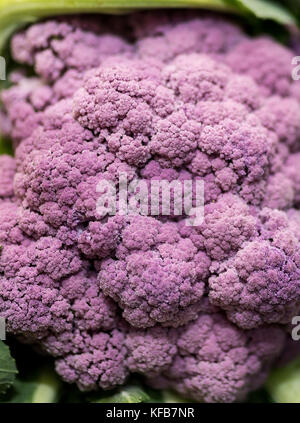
<point x="178" y="97"/>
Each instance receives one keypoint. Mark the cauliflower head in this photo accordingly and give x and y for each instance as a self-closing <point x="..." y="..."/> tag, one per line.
<point x="179" y="96"/>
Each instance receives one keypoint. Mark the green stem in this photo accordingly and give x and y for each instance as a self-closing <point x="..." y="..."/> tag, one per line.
<point x="283" y="384"/>
<point x="48" y="387"/>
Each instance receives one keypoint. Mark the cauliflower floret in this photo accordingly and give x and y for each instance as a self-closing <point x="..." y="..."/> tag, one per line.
<point x="261" y="283"/>
<point x="103" y="364"/>
<point x="217" y="362"/>
<point x="151" y="351"/>
<point x="157" y="279"/>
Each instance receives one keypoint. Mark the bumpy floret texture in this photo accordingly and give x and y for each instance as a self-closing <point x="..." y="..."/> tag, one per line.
<point x="197" y="305"/>
<point x="162" y="282"/>
<point x="217" y="362"/>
